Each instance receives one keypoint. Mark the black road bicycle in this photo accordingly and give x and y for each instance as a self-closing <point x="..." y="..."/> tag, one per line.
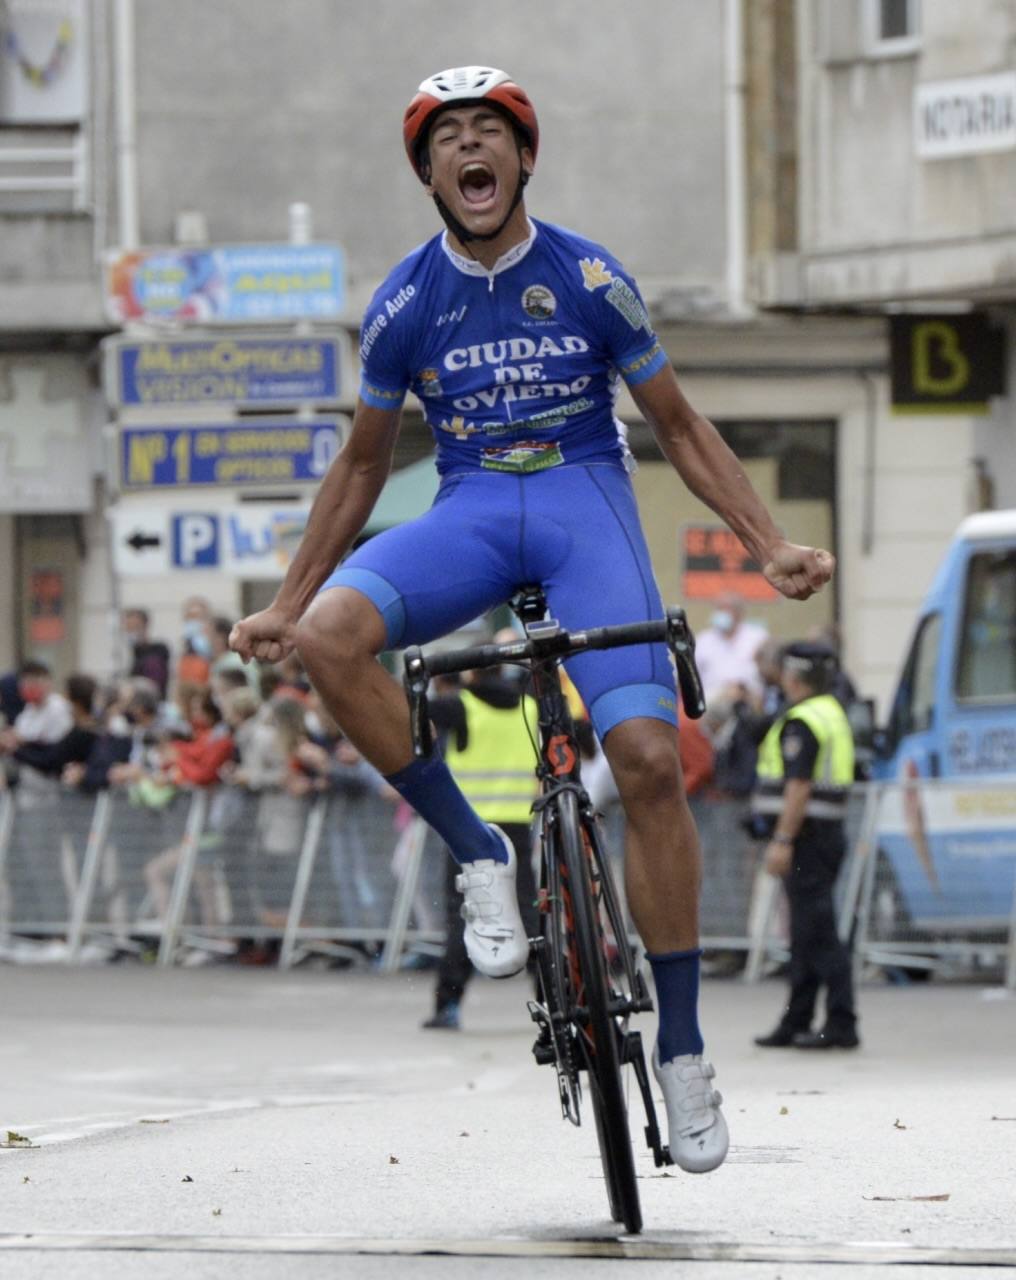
<point x="589" y="978"/>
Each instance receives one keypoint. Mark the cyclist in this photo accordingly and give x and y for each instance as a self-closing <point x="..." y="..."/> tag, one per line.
<point x="513" y="334"/>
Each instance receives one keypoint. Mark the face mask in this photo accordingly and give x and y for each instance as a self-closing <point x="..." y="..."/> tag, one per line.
<point x="723" y="620"/>
<point x="194" y="635"/>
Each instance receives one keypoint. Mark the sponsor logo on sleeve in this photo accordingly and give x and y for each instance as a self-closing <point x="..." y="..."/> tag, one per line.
<point x="594" y="273"/>
<point x="640" y="362"/>
<point x="624" y="299"/>
<point x="429" y="382"/>
<point x="621" y="296"/>
<point x="395" y="397"/>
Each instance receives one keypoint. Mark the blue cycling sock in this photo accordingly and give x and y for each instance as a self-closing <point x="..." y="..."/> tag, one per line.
<point x="676" y="974"/>
<point x="432" y="791"/>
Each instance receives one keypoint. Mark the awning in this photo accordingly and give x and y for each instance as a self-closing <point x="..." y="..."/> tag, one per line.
<point x="408" y="494"/>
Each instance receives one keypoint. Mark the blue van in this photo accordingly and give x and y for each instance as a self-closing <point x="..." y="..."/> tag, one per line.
<point x="952" y="844"/>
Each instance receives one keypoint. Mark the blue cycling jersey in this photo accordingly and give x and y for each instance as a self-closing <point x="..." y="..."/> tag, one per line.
<point x="517" y="369"/>
<point x="516" y="366"/>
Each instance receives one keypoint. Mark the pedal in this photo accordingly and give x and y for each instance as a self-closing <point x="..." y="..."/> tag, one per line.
<point x="661" y="1152"/>
<point x="643" y="1001"/>
<point x="543" y="1052"/>
<point x="543" y="1045"/>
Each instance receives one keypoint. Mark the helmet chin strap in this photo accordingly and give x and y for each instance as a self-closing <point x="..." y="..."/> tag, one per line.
<point x="463" y="233"/>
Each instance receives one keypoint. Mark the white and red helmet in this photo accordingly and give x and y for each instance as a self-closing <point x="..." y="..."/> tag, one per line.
<point x="466" y="86"/>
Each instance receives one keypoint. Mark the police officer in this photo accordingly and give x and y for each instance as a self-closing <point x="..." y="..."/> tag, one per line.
<point x="491" y="754"/>
<point x="805" y="768"/>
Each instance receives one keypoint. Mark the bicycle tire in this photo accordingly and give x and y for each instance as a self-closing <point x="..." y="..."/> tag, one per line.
<point x="600" y="1045"/>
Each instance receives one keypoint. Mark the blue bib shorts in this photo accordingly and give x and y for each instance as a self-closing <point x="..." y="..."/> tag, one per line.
<point x="573" y="529"/>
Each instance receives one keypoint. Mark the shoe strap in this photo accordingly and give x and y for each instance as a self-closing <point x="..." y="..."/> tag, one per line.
<point x="469" y="880"/>
<point x="479" y="910"/>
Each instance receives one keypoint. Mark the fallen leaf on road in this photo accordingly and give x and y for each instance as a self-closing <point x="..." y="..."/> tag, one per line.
<point x="897" y="1125"/>
<point x="216" y="1213"/>
<point x="186" y="1178"/>
<point x="26" y="1178"/>
<point x="784" y="1111"/>
<point x="393" y="1159"/>
<point x="464" y="1133"/>
<point x="945" y="1196"/>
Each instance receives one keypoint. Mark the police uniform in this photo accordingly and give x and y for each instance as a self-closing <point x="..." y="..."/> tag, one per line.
<point x="491" y="755"/>
<point x="812" y="741"/>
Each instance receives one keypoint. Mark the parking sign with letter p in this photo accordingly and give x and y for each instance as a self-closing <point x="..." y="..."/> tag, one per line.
<point x="195" y="540"/>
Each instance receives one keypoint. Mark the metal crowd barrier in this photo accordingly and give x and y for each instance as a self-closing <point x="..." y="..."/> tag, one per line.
<point x="199" y="873"/>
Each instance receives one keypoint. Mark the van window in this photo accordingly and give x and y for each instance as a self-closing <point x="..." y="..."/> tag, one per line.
<point x="987" y="652"/>
<point x="914" y="708"/>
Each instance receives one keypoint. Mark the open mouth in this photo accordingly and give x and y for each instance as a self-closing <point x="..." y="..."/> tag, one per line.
<point x="477" y="184"/>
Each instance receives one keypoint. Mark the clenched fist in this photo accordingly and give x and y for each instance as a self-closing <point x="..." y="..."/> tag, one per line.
<point x="268" y="636"/>
<point x="798" y="572"/>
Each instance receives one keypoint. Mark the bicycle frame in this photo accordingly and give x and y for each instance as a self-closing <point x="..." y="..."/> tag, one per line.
<point x="562" y="1024"/>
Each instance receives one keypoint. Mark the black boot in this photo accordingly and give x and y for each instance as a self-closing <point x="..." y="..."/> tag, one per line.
<point x="780" y="1038"/>
<point x="827" y="1038"/>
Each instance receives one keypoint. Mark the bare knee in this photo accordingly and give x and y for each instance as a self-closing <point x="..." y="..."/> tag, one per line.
<point x="647" y="768"/>
<point x="342" y="627"/>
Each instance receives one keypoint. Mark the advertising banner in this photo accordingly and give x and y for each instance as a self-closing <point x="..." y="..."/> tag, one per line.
<point x="229" y="284"/>
<point x="252" y="452"/>
<point x="228" y="370"/>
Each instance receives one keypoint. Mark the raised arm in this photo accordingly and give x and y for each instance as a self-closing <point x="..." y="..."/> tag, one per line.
<point x="712" y="472"/>
<point x="341" y="508"/>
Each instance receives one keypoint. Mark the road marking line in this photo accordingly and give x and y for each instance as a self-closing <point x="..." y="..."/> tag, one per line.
<point x="698" y="1250"/>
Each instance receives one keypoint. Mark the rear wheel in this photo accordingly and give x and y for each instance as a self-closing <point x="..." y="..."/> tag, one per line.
<point x="598" y="1038"/>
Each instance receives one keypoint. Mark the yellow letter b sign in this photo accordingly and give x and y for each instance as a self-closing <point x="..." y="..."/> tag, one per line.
<point x="945" y="363"/>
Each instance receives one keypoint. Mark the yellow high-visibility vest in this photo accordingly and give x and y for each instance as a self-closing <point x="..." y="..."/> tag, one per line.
<point x="496" y="770"/>
<point x="834" y="765"/>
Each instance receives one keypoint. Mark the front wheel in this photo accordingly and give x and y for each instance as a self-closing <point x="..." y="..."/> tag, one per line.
<point x="598" y="1038"/>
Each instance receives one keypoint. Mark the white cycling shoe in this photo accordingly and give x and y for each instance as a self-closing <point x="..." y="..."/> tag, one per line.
<point x="698" y="1132"/>
<point x="495" y="936"/>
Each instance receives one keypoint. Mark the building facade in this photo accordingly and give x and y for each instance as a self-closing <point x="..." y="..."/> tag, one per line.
<point x="893" y="200"/>
<point x="730" y="158"/>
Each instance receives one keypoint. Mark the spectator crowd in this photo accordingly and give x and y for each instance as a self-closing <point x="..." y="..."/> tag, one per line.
<point x="191" y="716"/>
<point x="167" y="728"/>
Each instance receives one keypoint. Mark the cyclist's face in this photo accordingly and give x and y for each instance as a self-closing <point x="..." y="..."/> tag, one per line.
<point x="474" y="163"/>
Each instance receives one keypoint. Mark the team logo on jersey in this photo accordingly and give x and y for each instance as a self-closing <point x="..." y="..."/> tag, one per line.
<point x="430" y="382"/>
<point x="539" y="302"/>
<point x="594" y="273"/>
<point x="524" y="457"/>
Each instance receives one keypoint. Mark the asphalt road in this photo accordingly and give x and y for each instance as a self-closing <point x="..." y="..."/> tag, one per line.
<point x="221" y="1122"/>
